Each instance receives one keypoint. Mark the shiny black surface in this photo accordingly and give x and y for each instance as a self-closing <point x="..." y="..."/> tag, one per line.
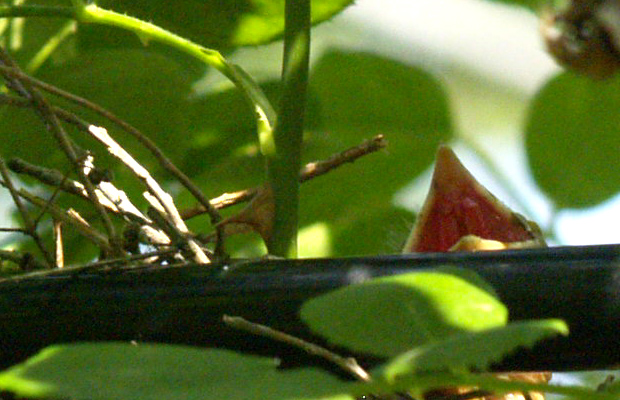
<point x="185" y="304"/>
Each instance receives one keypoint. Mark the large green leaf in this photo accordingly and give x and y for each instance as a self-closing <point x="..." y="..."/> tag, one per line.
<point x="573" y="140"/>
<point x="221" y="24"/>
<point x="387" y="316"/>
<point x="472" y="350"/>
<point x="357" y="96"/>
<point x="121" y="371"/>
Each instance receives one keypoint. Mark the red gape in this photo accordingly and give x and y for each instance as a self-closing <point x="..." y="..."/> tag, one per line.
<point x="457" y="206"/>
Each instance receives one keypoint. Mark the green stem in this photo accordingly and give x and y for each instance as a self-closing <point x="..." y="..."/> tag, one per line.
<point x="282" y="149"/>
<point x="50" y="46"/>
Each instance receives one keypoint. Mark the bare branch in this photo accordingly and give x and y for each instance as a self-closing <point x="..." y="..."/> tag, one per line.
<point x="347" y="364"/>
<point x="108" y="195"/>
<point x="164" y="199"/>
<point x="310" y="171"/>
<point x="68" y="218"/>
<point x="31" y="227"/>
<point x="163" y="160"/>
<point x="318" y="168"/>
<point x="25" y="89"/>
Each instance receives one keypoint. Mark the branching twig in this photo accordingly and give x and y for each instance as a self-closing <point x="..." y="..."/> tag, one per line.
<point x="318" y="168"/>
<point x="164" y="161"/>
<point x="164" y="199"/>
<point x="310" y="171"/>
<point x="31" y="227"/>
<point x="67" y="217"/>
<point x="347" y="364"/>
<point x="113" y="245"/>
<point x="159" y="155"/>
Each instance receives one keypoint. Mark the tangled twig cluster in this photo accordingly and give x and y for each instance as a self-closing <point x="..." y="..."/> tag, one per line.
<point x="162" y="228"/>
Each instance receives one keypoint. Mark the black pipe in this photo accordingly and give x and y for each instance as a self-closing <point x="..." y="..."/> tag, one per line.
<point x="184" y="304"/>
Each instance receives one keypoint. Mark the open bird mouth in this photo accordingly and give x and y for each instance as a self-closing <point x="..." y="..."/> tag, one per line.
<point x="461" y="214"/>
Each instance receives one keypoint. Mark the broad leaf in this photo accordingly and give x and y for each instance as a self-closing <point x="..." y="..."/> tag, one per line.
<point x="151" y="372"/>
<point x="387" y="316"/>
<point x="221" y="24"/>
<point x="573" y="140"/>
<point x="472" y="350"/>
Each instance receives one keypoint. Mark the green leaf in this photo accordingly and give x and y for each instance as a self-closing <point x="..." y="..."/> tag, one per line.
<point x="387" y="316"/>
<point x="108" y="371"/>
<point x="472" y="350"/>
<point x="221" y="24"/>
<point x="573" y="140"/>
<point x="379" y="230"/>
<point x="375" y="96"/>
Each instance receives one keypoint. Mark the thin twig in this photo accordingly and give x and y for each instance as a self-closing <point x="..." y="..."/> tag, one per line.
<point x="347" y="364"/>
<point x="167" y="203"/>
<point x="14" y="230"/>
<point x="109" y="196"/>
<point x="67" y="217"/>
<point x="53" y="197"/>
<point x="59" y="247"/>
<point x="31" y="227"/>
<point x="164" y="199"/>
<point x="113" y="245"/>
<point x="318" y="168"/>
<point x="163" y="160"/>
<point x="310" y="171"/>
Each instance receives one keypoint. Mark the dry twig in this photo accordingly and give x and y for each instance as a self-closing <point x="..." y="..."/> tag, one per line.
<point x="164" y="161"/>
<point x="164" y="199"/>
<point x="349" y="364"/>
<point x="310" y="171"/>
<point x="24" y="88"/>
<point x="31" y="226"/>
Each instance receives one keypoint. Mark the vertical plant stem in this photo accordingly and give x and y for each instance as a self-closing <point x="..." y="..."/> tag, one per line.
<point x="283" y="148"/>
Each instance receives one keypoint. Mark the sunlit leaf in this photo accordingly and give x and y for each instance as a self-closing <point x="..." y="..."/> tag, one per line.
<point x="387" y="316"/>
<point x="573" y="140"/>
<point x="472" y="350"/>
<point x="122" y="371"/>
